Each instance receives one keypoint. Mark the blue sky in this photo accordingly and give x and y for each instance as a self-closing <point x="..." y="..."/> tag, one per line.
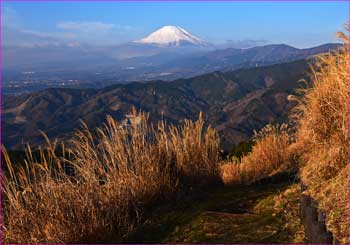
<point x="300" y="24"/>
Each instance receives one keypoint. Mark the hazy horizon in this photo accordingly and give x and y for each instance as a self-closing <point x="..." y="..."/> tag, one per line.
<point x="298" y="24"/>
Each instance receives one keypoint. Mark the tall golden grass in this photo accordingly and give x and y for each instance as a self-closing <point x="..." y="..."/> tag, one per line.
<point x="323" y="137"/>
<point x="114" y="173"/>
<point x="270" y="154"/>
<point x="320" y="145"/>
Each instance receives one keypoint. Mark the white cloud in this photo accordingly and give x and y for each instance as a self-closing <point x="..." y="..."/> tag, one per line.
<point x="246" y="43"/>
<point x="95" y="32"/>
<point x="13" y="37"/>
<point x="85" y="26"/>
<point x="15" y="34"/>
<point x="48" y="35"/>
<point x="67" y="33"/>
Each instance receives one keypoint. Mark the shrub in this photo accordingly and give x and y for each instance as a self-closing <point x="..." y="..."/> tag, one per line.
<point x="241" y="149"/>
<point x="270" y="154"/>
<point x="114" y="173"/>
<point x="323" y="137"/>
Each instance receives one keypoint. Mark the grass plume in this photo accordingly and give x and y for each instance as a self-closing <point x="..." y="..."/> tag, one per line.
<point x="270" y="154"/>
<point x="323" y="137"/>
<point x="115" y="172"/>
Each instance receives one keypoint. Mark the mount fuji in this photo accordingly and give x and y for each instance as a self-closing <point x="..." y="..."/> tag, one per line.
<point x="172" y="36"/>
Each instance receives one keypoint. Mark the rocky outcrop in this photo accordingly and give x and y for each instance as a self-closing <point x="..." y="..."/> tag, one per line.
<point x="314" y="221"/>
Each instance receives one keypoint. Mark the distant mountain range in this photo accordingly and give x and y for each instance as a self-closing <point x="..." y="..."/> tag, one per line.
<point x="179" y="75"/>
<point x="232" y="59"/>
<point x="234" y="102"/>
<point x="166" y="54"/>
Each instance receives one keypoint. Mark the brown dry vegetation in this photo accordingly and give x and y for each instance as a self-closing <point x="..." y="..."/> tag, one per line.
<point x="114" y="174"/>
<point x="323" y="137"/>
<point x="270" y="154"/>
<point x="320" y="146"/>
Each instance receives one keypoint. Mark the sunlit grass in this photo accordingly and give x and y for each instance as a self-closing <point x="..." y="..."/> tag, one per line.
<point x="323" y="137"/>
<point x="270" y="154"/>
<point x="114" y="173"/>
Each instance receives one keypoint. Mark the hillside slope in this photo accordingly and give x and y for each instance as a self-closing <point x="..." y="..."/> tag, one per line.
<point x="235" y="103"/>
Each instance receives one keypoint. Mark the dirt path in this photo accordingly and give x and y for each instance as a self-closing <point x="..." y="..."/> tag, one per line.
<point x="231" y="214"/>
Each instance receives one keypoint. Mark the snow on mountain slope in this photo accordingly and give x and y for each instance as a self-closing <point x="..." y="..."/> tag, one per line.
<point x="172" y="36"/>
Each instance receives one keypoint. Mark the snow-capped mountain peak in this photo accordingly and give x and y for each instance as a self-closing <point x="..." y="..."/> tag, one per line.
<point x="172" y="36"/>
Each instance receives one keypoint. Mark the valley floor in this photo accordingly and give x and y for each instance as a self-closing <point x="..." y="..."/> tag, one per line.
<point x="229" y="214"/>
